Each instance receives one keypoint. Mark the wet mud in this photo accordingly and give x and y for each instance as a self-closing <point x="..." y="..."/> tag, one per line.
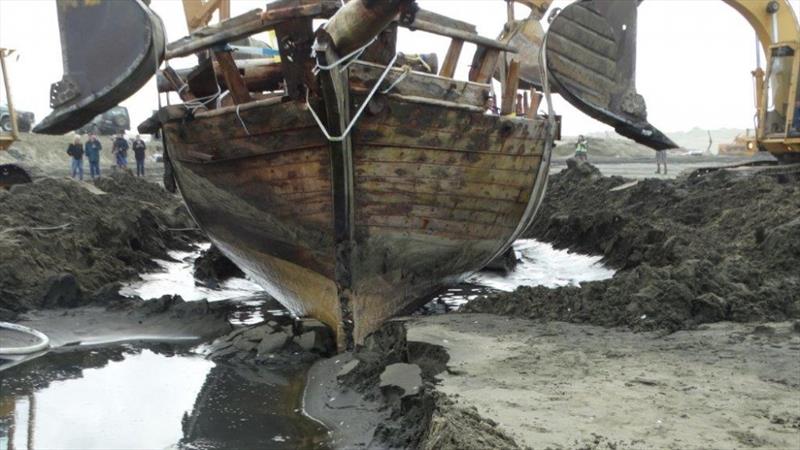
<point x="63" y="242"/>
<point x="717" y="247"/>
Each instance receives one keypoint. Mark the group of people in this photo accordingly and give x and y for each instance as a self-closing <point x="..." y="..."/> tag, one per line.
<point x="91" y="150"/>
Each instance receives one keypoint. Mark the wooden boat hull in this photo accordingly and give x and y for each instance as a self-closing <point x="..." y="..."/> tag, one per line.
<point x="438" y="191"/>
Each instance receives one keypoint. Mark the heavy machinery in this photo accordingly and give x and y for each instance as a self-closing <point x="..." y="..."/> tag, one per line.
<point x="10" y="174"/>
<point x="591" y="57"/>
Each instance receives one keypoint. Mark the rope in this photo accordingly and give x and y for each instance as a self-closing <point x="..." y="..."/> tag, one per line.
<point x="43" y="344"/>
<point x="241" y="121"/>
<point x="406" y="71"/>
<point x="360" y="110"/>
<point x="352" y="56"/>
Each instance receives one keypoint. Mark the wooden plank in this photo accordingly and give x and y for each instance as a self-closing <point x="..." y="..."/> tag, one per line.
<point x="363" y="76"/>
<point x="501" y="162"/>
<point x="456" y="188"/>
<point x="233" y="79"/>
<point x="437" y="226"/>
<point x="178" y="84"/>
<point x="484" y="64"/>
<point x="249" y="23"/>
<point x="295" y="39"/>
<point x="432" y="17"/>
<point x="476" y="144"/>
<point x="443" y="200"/>
<point x="536" y="100"/>
<point x="466" y="175"/>
<point x="442" y="30"/>
<point x="451" y="59"/>
<point x="488" y="218"/>
<point x="510" y="87"/>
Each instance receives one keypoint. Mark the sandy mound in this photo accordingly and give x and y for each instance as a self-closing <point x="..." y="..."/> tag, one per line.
<point x="62" y="239"/>
<point x="694" y="250"/>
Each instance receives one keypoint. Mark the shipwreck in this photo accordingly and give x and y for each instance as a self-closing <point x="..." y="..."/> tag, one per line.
<point x="351" y="181"/>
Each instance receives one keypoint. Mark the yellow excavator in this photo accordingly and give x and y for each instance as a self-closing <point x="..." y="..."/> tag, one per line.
<point x="591" y="61"/>
<point x="589" y="52"/>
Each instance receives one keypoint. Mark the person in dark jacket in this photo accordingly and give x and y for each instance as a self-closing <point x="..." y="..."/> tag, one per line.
<point x="120" y="150"/>
<point x="92" y="149"/>
<point x="75" y="151"/>
<point x="139" y="148"/>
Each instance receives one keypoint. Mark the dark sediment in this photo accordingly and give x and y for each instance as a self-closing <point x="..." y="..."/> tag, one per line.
<point x="693" y="250"/>
<point x="212" y="268"/>
<point x="389" y="384"/>
<point x="63" y="242"/>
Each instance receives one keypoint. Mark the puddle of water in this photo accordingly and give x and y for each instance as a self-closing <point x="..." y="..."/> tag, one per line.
<point x="539" y="265"/>
<point x="542" y="265"/>
<point x="177" y="278"/>
<point x="127" y="398"/>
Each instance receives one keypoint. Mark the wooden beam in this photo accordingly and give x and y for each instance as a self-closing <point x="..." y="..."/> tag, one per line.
<point x="178" y="83"/>
<point x="233" y="79"/>
<point x="432" y="17"/>
<point x="536" y="100"/>
<point x="363" y="76"/>
<point x="451" y="60"/>
<point x="510" y="86"/>
<point x="442" y="30"/>
<point x="484" y="64"/>
<point x="247" y="24"/>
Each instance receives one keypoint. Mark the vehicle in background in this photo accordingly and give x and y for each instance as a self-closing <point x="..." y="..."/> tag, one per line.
<point x="25" y="120"/>
<point x="113" y="121"/>
<point x="743" y="144"/>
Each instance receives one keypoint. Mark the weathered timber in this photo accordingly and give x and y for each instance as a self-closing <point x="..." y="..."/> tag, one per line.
<point x="358" y="21"/>
<point x="295" y="38"/>
<point x="436" y="191"/>
<point x="451" y="59"/>
<point x="445" y="21"/>
<point x="363" y="76"/>
<point x="459" y="34"/>
<point x="250" y="23"/>
<point x="177" y="84"/>
<point x="233" y="79"/>
<point x="484" y="64"/>
<point x="510" y="86"/>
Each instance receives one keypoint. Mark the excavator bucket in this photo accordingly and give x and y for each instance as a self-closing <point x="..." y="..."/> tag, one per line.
<point x="591" y="61"/>
<point x="109" y="48"/>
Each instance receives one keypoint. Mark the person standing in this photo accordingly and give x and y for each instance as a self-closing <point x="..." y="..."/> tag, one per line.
<point x="75" y="151"/>
<point x="661" y="158"/>
<point x="582" y="149"/>
<point x="120" y="151"/>
<point x="92" y="149"/>
<point x="139" y="148"/>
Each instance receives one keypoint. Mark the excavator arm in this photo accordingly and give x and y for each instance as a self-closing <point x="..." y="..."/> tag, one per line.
<point x="109" y="48"/>
<point x="591" y="62"/>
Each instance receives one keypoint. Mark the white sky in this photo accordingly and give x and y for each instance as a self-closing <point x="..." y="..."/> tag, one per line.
<point x="694" y="57"/>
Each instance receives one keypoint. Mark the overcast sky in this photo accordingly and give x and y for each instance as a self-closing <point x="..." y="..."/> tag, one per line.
<point x="694" y="57"/>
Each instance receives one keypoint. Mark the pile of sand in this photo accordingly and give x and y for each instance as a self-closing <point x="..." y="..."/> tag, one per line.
<point x="694" y="250"/>
<point x="62" y="240"/>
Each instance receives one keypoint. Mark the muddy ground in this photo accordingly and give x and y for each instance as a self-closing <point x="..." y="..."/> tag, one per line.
<point x="692" y="344"/>
<point x="66" y="243"/>
<point x="718" y="247"/>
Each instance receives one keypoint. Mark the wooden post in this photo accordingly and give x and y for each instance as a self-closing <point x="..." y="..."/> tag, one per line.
<point x="510" y="86"/>
<point x="536" y="100"/>
<point x="233" y="79"/>
<point x="484" y="64"/>
<point x="526" y="104"/>
<point x="11" y="111"/>
<point x="451" y="60"/>
<point x="178" y="83"/>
